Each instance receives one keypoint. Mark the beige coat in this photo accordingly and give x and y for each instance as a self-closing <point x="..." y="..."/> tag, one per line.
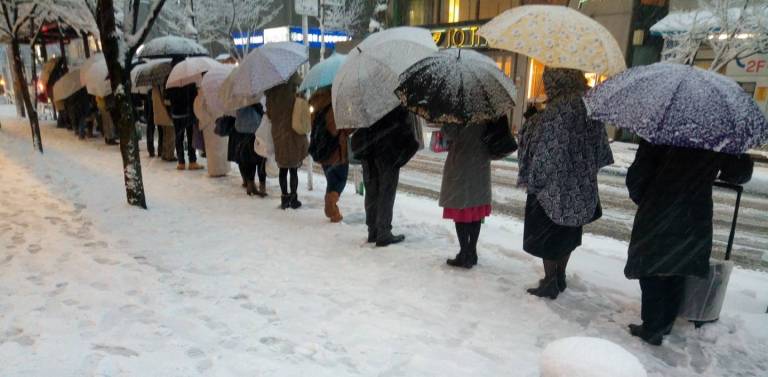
<point x="215" y="145"/>
<point x="290" y="148"/>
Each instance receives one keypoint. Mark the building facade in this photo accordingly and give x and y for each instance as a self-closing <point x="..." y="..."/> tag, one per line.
<point x="454" y="24"/>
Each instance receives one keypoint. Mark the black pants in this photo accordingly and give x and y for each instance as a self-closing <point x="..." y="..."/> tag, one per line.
<point x="184" y="126"/>
<point x="661" y="299"/>
<point x="380" y="190"/>
<point x="468" y="234"/>
<point x="284" y="180"/>
<point x="250" y="164"/>
<point x="151" y="138"/>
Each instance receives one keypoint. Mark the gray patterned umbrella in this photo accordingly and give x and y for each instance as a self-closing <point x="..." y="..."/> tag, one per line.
<point x="171" y="46"/>
<point x="680" y="105"/>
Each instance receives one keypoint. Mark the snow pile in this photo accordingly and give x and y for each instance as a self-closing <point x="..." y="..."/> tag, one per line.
<point x="588" y="357"/>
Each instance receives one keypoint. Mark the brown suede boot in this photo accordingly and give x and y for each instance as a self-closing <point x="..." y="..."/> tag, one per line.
<point x="181" y="167"/>
<point x="335" y="216"/>
<point x="194" y="166"/>
<point x="328" y="205"/>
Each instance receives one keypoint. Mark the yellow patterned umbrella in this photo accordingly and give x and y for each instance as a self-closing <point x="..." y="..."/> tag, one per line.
<point x="558" y="36"/>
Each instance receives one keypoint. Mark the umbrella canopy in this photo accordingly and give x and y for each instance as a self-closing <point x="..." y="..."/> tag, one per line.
<point x="231" y="101"/>
<point x="210" y="86"/>
<point x="52" y="69"/>
<point x="267" y="67"/>
<point x="364" y="88"/>
<point x="680" y="105"/>
<point x="154" y="73"/>
<point x="171" y="46"/>
<point x="458" y="87"/>
<point x="558" y="36"/>
<point x="135" y="88"/>
<point x="93" y="74"/>
<point x="67" y="85"/>
<point x="323" y="73"/>
<point x="190" y="71"/>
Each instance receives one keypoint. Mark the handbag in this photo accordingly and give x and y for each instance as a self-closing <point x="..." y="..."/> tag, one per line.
<point x="737" y="169"/>
<point x="438" y="143"/>
<point x="264" y="145"/>
<point x="498" y="138"/>
<point x="224" y="126"/>
<point x="301" y="121"/>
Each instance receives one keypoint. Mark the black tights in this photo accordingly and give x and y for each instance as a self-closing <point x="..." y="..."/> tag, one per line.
<point x="468" y="233"/>
<point x="556" y="267"/>
<point x="284" y="180"/>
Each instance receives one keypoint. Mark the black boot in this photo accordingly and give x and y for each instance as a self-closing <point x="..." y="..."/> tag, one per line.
<point x="561" y="266"/>
<point x="371" y="236"/>
<point x="387" y="239"/>
<point x="463" y="259"/>
<point x="473" y="256"/>
<point x="548" y="287"/>
<point x="285" y="201"/>
<point x="294" y="201"/>
<point x="652" y="338"/>
<point x="250" y="188"/>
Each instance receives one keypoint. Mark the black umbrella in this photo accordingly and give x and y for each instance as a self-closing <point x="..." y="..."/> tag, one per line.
<point x="154" y="73"/>
<point x="456" y="87"/>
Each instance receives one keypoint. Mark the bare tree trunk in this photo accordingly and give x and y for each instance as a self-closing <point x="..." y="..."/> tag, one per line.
<point x="21" y="85"/>
<point x="122" y="110"/>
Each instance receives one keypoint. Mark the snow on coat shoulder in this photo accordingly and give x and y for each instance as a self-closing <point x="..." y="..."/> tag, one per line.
<point x="588" y="357"/>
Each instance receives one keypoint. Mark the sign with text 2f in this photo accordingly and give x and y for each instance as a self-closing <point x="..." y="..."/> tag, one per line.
<point x="306" y="7"/>
<point x="756" y="65"/>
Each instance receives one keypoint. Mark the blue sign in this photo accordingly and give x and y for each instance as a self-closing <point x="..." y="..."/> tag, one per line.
<point x="258" y="38"/>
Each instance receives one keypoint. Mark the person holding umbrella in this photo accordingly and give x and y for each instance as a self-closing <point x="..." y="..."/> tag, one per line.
<point x="182" y="101"/>
<point x="383" y="149"/>
<point x="561" y="151"/>
<point x="290" y="148"/>
<point x="468" y="94"/>
<point x="695" y="126"/>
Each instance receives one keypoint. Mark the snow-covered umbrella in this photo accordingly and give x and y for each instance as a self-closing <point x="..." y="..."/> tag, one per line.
<point x="171" y="46"/>
<point x="364" y="88"/>
<point x="93" y="74"/>
<point x="210" y="85"/>
<point x="558" y="36"/>
<point x="456" y="86"/>
<point x="190" y="71"/>
<point x="136" y="69"/>
<point x="680" y="105"/>
<point x="267" y="67"/>
<point x="231" y="101"/>
<point x="154" y="74"/>
<point x="323" y="73"/>
<point x="67" y="85"/>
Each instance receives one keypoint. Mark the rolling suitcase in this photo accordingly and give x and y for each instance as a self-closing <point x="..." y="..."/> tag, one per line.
<point x="703" y="298"/>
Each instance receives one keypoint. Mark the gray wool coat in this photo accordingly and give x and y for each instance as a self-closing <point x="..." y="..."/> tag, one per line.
<point x="467" y="172"/>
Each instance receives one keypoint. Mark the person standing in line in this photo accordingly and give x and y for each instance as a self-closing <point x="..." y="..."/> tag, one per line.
<point x="383" y="149"/>
<point x="150" y="118"/>
<point x="290" y="147"/>
<point x="561" y="152"/>
<point x="336" y="165"/>
<point x="182" y="100"/>
<point x="250" y="164"/>
<point x="672" y="233"/>
<point x="465" y="192"/>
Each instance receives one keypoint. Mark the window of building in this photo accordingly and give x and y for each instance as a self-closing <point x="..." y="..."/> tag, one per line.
<point x="535" y="87"/>
<point x="417" y="12"/>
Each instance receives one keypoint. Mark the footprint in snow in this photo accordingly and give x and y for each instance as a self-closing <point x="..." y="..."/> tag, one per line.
<point x="34" y="248"/>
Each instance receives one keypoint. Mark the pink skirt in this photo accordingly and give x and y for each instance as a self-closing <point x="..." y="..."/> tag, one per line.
<point x="467" y="215"/>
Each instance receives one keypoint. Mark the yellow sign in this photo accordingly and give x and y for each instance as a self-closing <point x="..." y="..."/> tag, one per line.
<point x="458" y="37"/>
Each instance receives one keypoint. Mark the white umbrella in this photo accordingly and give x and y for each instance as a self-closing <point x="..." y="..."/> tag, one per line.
<point x="67" y="85"/>
<point x="268" y="66"/>
<point x="170" y="46"/>
<point x="363" y="90"/>
<point x="190" y="71"/>
<point x="93" y="74"/>
<point x="231" y="101"/>
<point x="210" y="85"/>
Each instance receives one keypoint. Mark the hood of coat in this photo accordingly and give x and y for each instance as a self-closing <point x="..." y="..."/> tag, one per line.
<point x="320" y="99"/>
<point x="563" y="81"/>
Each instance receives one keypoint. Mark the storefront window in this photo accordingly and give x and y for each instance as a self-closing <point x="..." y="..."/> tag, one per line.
<point x="417" y="12"/>
<point x="487" y="9"/>
<point x="535" y="87"/>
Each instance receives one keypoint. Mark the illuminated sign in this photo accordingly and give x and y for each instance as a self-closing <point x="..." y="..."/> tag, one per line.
<point x="285" y="34"/>
<point x="458" y="37"/>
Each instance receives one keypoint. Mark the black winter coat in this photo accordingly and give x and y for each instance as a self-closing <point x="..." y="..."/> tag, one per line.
<point x="672" y="186"/>
<point x="391" y="140"/>
<point x="182" y="100"/>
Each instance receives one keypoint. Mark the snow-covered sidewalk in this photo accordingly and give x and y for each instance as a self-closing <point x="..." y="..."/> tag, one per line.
<point x="211" y="282"/>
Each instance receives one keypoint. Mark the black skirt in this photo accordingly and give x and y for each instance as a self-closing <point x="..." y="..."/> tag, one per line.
<point x="545" y="239"/>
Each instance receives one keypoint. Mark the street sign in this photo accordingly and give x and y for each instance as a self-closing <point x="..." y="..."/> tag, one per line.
<point x="306" y="7"/>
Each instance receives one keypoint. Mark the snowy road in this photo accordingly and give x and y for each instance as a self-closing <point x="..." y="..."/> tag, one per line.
<point x="209" y="282"/>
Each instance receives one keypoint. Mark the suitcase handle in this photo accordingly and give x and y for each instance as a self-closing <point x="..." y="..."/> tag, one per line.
<point x="739" y="189"/>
